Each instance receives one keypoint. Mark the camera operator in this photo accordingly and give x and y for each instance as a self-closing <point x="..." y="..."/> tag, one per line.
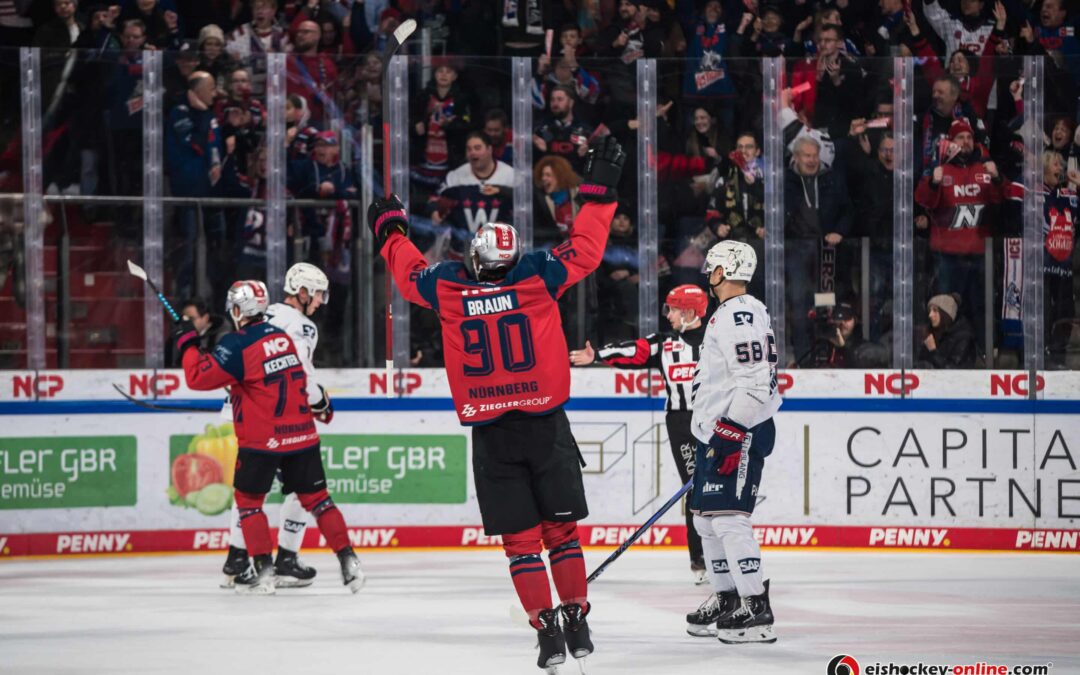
<point x="836" y="337"/>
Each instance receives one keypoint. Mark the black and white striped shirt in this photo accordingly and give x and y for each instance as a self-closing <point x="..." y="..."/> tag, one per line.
<point x="674" y="354"/>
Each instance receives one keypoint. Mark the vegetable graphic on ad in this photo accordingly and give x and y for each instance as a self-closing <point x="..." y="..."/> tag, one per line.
<point x="202" y="470"/>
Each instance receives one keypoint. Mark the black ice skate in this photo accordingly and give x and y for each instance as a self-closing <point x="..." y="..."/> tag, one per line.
<point x="550" y="641"/>
<point x="235" y="564"/>
<point x="291" y="573"/>
<point x="576" y="630"/>
<point x="702" y="623"/>
<point x="258" y="578"/>
<point x="751" y="621"/>
<point x="351" y="574"/>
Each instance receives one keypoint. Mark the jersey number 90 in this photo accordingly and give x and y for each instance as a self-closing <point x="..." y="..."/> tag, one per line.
<point x="515" y="345"/>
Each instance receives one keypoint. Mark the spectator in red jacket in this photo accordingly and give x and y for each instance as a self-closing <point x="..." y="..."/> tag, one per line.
<point x="956" y="196"/>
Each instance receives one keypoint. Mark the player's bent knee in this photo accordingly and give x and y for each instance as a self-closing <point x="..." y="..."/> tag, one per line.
<point x="317" y="503"/>
<point x="248" y="503"/>
<point x="558" y="535"/>
<point x="526" y="542"/>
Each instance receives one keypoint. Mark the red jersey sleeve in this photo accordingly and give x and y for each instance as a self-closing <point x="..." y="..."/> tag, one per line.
<point x="582" y="252"/>
<point x="205" y="372"/>
<point x="407" y="264"/>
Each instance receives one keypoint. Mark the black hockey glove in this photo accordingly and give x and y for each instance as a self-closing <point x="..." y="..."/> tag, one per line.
<point x="184" y="335"/>
<point x="324" y="409"/>
<point x="386" y="216"/>
<point x="603" y="167"/>
<point x="727" y="441"/>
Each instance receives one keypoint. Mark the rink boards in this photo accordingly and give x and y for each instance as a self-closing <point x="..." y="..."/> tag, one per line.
<point x="953" y="460"/>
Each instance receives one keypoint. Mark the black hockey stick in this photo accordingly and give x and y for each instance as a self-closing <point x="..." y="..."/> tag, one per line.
<point x="640" y="531"/>
<point x="401" y="34"/>
<point x="164" y="408"/>
<point x="139" y="272"/>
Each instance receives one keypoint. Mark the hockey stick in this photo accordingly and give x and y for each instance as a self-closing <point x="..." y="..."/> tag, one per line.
<point x="401" y="34"/>
<point x="139" y="272"/>
<point x="640" y="531"/>
<point x="165" y="408"/>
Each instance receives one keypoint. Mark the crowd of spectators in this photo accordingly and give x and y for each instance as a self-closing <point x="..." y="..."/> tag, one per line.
<point x="836" y="113"/>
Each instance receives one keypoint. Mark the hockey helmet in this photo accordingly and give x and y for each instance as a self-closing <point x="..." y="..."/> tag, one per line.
<point x="687" y="296"/>
<point x="495" y="249"/>
<point x="249" y="296"/>
<point x="736" y="258"/>
<point x="306" y="275"/>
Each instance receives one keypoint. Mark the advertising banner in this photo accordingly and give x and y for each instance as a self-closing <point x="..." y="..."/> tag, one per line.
<point x="880" y="462"/>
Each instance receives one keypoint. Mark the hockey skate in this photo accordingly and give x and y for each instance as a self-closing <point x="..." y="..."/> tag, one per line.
<point x="751" y="621"/>
<point x="702" y="623"/>
<point x="235" y="564"/>
<point x="351" y="574"/>
<point x="700" y="574"/>
<point x="576" y="630"/>
<point x="550" y="640"/>
<point x="291" y="573"/>
<point x="258" y="578"/>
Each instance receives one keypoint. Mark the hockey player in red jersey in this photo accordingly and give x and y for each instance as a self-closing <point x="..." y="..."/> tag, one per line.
<point x="506" y="362"/>
<point x="274" y="429"/>
<point x="675" y="355"/>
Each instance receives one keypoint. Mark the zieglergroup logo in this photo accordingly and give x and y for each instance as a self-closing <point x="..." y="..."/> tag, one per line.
<point x="843" y="665"/>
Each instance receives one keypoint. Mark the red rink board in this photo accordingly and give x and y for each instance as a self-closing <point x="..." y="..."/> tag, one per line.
<point x="456" y="536"/>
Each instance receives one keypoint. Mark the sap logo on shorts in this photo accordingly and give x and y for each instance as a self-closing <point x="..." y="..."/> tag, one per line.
<point x="275" y="346"/>
<point x="748" y="565"/>
<point x="280" y="363"/>
<point x="709" y="488"/>
<point x="468" y="410"/>
<point x="492" y="304"/>
<point x="720" y="566"/>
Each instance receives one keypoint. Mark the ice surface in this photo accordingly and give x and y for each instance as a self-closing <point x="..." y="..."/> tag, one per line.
<point x="448" y="612"/>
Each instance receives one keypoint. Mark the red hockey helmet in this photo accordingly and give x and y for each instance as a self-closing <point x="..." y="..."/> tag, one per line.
<point x="687" y="296"/>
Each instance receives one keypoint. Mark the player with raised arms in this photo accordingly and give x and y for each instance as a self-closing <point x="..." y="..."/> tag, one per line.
<point x="734" y="401"/>
<point x="275" y="429"/>
<point x="675" y="354"/>
<point x="306" y="289"/>
<point x="506" y="362"/>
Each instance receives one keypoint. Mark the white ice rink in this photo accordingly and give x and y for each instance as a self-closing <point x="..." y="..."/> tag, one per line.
<point x="447" y="612"/>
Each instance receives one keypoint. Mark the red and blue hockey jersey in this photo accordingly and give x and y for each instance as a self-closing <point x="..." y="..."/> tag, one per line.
<point x="503" y="342"/>
<point x="268" y="387"/>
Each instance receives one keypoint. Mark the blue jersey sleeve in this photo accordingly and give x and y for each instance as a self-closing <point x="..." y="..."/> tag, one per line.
<point x="229" y="354"/>
<point x="544" y="265"/>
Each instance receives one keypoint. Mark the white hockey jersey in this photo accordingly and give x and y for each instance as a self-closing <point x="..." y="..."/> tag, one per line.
<point x="304" y="335"/>
<point x="736" y="370"/>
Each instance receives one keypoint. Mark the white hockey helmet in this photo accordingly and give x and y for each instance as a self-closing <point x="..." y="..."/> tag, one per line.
<point x="306" y="275"/>
<point x="249" y="296"/>
<point x="736" y="258"/>
<point x="495" y="249"/>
